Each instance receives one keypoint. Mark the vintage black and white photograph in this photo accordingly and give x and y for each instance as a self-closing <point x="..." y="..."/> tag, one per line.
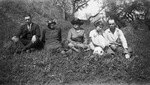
<point x="74" y="42"/>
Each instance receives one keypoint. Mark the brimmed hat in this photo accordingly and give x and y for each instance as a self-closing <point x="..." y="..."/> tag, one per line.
<point x="76" y="21"/>
<point x="98" y="23"/>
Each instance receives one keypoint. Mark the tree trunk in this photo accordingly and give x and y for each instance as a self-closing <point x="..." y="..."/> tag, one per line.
<point x="64" y="13"/>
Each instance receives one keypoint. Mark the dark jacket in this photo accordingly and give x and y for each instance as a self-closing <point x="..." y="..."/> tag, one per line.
<point x="24" y="33"/>
<point x="49" y="35"/>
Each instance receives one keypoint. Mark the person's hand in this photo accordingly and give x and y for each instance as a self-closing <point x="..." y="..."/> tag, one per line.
<point x="33" y="40"/>
<point x="126" y="50"/>
<point x="113" y="46"/>
<point x="74" y="43"/>
<point x="63" y="52"/>
<point x="127" y="56"/>
<point x="82" y="45"/>
<point x="15" y="39"/>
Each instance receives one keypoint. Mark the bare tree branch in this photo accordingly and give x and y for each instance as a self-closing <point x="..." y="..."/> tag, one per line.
<point x="79" y="6"/>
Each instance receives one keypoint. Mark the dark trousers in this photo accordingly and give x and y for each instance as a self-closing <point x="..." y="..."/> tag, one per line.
<point x="118" y="51"/>
<point x="27" y="44"/>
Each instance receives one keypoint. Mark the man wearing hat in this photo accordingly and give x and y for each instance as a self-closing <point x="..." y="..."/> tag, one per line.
<point x="28" y="35"/>
<point x="76" y="36"/>
<point x="51" y="36"/>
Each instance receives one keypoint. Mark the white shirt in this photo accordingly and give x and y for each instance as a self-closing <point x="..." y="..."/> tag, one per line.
<point x="29" y="27"/>
<point x="118" y="34"/>
<point x="98" y="39"/>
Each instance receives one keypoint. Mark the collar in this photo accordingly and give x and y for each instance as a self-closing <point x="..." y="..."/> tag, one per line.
<point x="99" y="33"/>
<point x="29" y="24"/>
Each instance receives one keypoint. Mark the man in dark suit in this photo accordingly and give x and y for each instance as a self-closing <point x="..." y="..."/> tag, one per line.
<point x="28" y="34"/>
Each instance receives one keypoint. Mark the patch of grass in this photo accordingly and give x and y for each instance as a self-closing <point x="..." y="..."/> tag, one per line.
<point x="44" y="67"/>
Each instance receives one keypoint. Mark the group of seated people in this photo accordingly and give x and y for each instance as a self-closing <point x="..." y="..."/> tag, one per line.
<point x="110" y="41"/>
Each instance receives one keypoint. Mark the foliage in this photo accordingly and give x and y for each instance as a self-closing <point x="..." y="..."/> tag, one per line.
<point x="69" y="7"/>
<point x="136" y="11"/>
<point x="10" y="14"/>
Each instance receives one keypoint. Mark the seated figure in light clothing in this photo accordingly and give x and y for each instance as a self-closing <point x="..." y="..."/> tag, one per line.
<point x="97" y="38"/>
<point x="116" y="39"/>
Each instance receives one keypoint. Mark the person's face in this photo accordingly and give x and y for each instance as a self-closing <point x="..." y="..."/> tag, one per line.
<point x="28" y="19"/>
<point x="99" y="28"/>
<point x="51" y="26"/>
<point x="112" y="25"/>
<point x="76" y="26"/>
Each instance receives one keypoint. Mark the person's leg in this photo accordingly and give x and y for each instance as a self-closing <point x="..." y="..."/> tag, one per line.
<point x="65" y="48"/>
<point x="113" y="47"/>
<point x="92" y="47"/>
<point x="122" y="52"/>
<point x="81" y="45"/>
<point x="52" y="46"/>
<point x="130" y="50"/>
<point x="109" y="51"/>
<point x="119" y="50"/>
<point x="20" y="44"/>
<point x="24" y="41"/>
<point x="72" y="46"/>
<point x="28" y="44"/>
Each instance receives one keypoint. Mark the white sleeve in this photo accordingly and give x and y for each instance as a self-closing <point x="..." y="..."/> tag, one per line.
<point x="91" y="34"/>
<point x="123" y="39"/>
<point x="106" y="39"/>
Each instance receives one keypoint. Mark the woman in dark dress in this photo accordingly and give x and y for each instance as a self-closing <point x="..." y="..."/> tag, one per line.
<point x="51" y="36"/>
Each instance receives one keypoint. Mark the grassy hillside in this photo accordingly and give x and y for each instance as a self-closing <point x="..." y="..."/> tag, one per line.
<point x="52" y="68"/>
